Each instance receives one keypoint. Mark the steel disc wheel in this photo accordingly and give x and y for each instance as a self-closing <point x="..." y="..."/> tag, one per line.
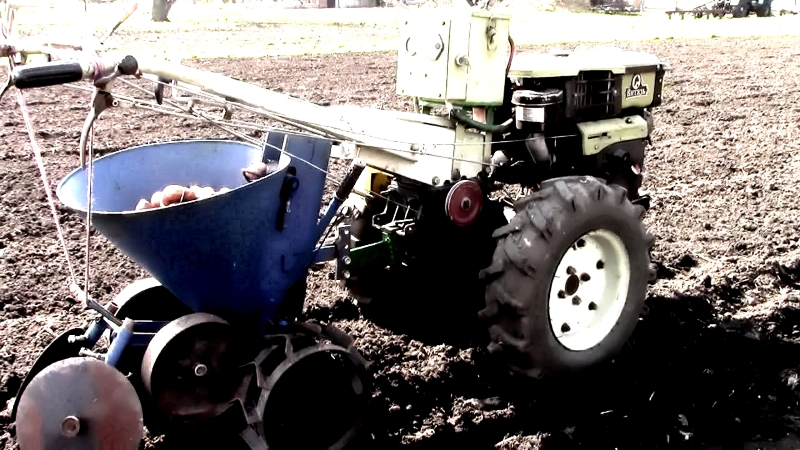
<point x="190" y="367"/>
<point x="79" y="403"/>
<point x="589" y="290"/>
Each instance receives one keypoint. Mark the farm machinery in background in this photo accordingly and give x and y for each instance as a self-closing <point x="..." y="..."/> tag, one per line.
<point x="214" y="339"/>
<point x="616" y="6"/>
<point x="721" y="8"/>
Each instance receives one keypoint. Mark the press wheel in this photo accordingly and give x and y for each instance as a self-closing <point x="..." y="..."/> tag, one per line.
<point x="190" y="367"/>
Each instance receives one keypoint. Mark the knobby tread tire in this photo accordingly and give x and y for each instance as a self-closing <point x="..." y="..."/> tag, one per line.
<point x="528" y="252"/>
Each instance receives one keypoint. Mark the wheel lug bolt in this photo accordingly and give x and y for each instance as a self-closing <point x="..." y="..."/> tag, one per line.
<point x="565" y="328"/>
<point x="600" y="264"/>
<point x="585" y="277"/>
<point x="562" y="294"/>
<point x="592" y="306"/>
<point x="576" y="300"/>
<point x="200" y="370"/>
<point x="571" y="270"/>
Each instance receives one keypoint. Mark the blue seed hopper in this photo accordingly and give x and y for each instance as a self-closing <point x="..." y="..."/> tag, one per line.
<point x="234" y="254"/>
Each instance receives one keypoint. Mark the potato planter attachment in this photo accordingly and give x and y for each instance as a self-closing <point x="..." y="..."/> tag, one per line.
<point x="237" y="260"/>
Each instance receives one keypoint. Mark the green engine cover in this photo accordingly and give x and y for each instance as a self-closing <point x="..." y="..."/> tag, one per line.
<point x="641" y="73"/>
<point x="599" y="134"/>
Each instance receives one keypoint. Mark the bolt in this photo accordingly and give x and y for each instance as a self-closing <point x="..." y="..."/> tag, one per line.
<point x="200" y="370"/>
<point x="600" y="264"/>
<point x="466" y="203"/>
<point x="70" y="426"/>
<point x="562" y="294"/>
<point x="585" y="277"/>
<point x="576" y="300"/>
<point x="581" y="243"/>
<point x="592" y="306"/>
<point x="571" y="270"/>
<point x="565" y="328"/>
<point x="346" y="260"/>
<point x="435" y="181"/>
<point x="346" y="274"/>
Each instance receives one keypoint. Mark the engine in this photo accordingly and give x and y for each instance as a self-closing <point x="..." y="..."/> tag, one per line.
<point x="595" y="122"/>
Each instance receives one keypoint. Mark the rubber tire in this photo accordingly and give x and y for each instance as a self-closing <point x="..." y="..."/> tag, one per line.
<point x="518" y="281"/>
<point x="742" y="9"/>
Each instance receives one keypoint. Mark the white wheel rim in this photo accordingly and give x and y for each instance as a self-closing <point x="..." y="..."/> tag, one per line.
<point x="589" y="290"/>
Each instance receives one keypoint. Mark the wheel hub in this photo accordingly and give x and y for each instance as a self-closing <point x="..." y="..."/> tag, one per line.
<point x="589" y="290"/>
<point x="464" y="202"/>
<point x="70" y="426"/>
<point x="572" y="285"/>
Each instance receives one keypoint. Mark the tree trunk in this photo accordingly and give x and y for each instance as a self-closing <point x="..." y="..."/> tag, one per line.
<point x="161" y="10"/>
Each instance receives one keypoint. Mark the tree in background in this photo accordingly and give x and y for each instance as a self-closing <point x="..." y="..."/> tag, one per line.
<point x="161" y="10"/>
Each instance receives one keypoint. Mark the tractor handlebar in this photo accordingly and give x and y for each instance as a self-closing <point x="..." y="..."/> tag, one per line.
<point x="48" y="74"/>
<point x="101" y="68"/>
<point x="58" y="72"/>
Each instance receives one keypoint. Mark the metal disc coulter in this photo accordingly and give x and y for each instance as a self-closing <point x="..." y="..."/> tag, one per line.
<point x="79" y="403"/>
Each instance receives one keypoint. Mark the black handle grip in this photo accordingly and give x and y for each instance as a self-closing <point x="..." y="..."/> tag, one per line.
<point x="48" y="74"/>
<point x="350" y="179"/>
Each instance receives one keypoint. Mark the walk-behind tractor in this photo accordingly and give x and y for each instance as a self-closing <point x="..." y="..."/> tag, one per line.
<point x="229" y="228"/>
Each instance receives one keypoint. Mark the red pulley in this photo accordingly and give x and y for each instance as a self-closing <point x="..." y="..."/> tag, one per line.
<point x="464" y="202"/>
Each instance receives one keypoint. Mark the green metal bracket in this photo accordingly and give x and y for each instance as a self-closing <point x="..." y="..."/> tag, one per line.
<point x="377" y="255"/>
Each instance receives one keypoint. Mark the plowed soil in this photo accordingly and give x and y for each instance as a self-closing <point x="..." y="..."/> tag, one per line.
<point x="714" y="364"/>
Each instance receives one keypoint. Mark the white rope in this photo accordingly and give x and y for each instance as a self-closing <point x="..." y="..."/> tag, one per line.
<point x="37" y="154"/>
<point x="7" y="31"/>
<point x="89" y="184"/>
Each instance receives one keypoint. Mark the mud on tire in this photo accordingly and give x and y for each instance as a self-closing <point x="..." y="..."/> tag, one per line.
<point x="548" y="224"/>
